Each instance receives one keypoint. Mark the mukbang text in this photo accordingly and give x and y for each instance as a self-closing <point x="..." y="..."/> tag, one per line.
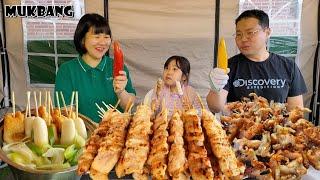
<point x="38" y="11"/>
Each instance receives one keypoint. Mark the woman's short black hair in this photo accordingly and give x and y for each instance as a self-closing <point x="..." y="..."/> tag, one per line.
<point x="262" y="17"/>
<point x="182" y="63"/>
<point x="97" y="22"/>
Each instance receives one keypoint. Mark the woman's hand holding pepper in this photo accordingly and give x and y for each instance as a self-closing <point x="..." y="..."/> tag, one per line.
<point x="120" y="82"/>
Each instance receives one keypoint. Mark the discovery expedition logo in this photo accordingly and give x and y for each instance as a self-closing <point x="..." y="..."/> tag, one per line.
<point x="259" y="83"/>
<point x="39" y="11"/>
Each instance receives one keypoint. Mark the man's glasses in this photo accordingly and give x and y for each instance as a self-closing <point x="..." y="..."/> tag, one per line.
<point x="247" y="34"/>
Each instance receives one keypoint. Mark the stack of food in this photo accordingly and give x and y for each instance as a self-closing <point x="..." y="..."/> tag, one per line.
<point x="271" y="141"/>
<point x="94" y="142"/>
<point x="112" y="143"/>
<point x="148" y="150"/>
<point x="229" y="166"/>
<point x="47" y="141"/>
<point x="177" y="161"/>
<point x="198" y="160"/>
<point x="157" y="160"/>
<point x="107" y="144"/>
<point x="137" y="146"/>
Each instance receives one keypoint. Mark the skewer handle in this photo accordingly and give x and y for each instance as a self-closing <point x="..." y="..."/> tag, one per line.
<point x="71" y="103"/>
<point x="77" y="105"/>
<point x="64" y="103"/>
<point x="28" y="100"/>
<point x="49" y="107"/>
<point x="40" y="102"/>
<point x="58" y="103"/>
<point x="35" y="100"/>
<point x="13" y="104"/>
<point x="27" y="109"/>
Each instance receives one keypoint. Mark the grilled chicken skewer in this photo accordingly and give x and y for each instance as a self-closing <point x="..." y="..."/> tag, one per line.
<point x="157" y="160"/>
<point x="110" y="149"/>
<point x="177" y="156"/>
<point x="198" y="161"/>
<point x="136" y="150"/>
<point x="93" y="144"/>
<point x="228" y="163"/>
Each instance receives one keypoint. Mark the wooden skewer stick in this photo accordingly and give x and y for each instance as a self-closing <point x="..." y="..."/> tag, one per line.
<point x="100" y="108"/>
<point x="114" y="108"/>
<point x="35" y="100"/>
<point x="49" y="108"/>
<point x="13" y="104"/>
<point x="58" y="103"/>
<point x="110" y="105"/>
<point x="118" y="102"/>
<point x="129" y="110"/>
<point x="106" y="105"/>
<point x="77" y="105"/>
<point x="100" y="113"/>
<point x="71" y="103"/>
<point x="64" y="103"/>
<point x="200" y="101"/>
<point x="46" y="99"/>
<point x="51" y="104"/>
<point x="29" y="105"/>
<point x="27" y="108"/>
<point x="46" y="105"/>
<point x="128" y="104"/>
<point x="40" y="98"/>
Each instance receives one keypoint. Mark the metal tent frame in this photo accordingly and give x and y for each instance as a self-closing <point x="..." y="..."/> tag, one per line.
<point x="5" y="102"/>
<point x="315" y="100"/>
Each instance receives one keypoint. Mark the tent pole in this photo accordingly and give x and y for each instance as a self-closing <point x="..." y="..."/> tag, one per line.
<point x="315" y="110"/>
<point x="314" y="104"/>
<point x="5" y="62"/>
<point x="106" y="8"/>
<point x="216" y="32"/>
<point x="106" y="15"/>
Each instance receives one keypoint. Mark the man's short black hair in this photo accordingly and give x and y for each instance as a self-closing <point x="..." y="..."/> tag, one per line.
<point x="262" y="17"/>
<point x="97" y="22"/>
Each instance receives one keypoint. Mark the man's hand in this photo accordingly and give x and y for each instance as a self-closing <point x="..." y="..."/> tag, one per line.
<point x="120" y="82"/>
<point x="218" y="79"/>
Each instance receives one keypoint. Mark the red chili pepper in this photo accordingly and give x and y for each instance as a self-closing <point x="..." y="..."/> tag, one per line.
<point x="118" y="59"/>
